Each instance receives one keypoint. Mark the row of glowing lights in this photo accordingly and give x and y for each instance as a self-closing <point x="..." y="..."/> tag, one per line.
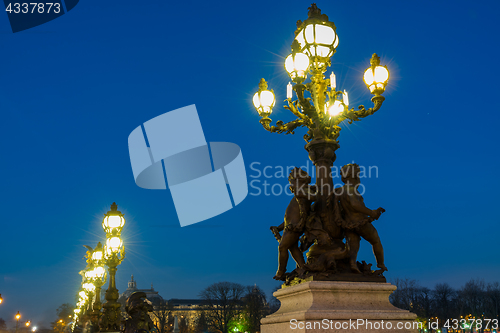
<point x="113" y="245"/>
<point x="374" y="78"/>
<point x="28" y="322"/>
<point x="18" y="316"/>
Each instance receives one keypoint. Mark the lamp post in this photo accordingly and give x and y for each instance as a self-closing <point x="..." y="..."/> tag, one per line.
<point x="95" y="279"/>
<point x="315" y="43"/>
<point x="114" y="253"/>
<point x="18" y="316"/>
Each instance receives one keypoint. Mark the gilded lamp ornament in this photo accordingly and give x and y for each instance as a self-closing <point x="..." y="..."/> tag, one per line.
<point x="316" y="39"/>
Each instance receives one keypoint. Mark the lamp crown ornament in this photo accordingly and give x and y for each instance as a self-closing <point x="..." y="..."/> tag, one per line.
<point x="375" y="60"/>
<point x="114" y="210"/>
<point x="315" y="12"/>
<point x="262" y="85"/>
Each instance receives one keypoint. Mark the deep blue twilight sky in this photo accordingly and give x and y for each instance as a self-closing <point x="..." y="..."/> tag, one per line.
<point x="73" y="89"/>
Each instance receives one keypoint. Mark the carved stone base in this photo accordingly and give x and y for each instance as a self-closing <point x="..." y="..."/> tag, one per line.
<point x="332" y="306"/>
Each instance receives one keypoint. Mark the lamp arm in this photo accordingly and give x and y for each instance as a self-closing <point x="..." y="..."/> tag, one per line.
<point x="292" y="106"/>
<point x="280" y="127"/>
<point x="355" y="115"/>
<point x="309" y="110"/>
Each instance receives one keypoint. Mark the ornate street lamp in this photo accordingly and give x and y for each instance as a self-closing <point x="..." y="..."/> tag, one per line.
<point x="18" y="316"/>
<point x="316" y="38"/>
<point x="95" y="279"/>
<point x="114" y="253"/>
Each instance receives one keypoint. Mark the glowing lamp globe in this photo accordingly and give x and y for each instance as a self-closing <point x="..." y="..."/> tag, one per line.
<point x="318" y="40"/>
<point x="113" y="245"/>
<point x="376" y="77"/>
<point x="317" y="37"/>
<point x="97" y="255"/>
<point x="113" y="221"/>
<point x="88" y="287"/>
<point x="263" y="100"/>
<point x="296" y="65"/>
<point x="98" y="272"/>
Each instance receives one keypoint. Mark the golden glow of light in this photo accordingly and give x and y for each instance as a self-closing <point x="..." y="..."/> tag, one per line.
<point x="18" y="316"/>
<point x="264" y="101"/>
<point x="27" y="323"/>
<point x="335" y="109"/>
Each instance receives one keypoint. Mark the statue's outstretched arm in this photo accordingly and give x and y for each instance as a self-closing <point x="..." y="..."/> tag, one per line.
<point x="359" y="205"/>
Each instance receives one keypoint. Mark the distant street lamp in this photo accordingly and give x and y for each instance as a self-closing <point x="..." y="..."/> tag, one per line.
<point x="114" y="253"/>
<point x="18" y="316"/>
<point x="1" y="299"/>
<point x="98" y="279"/>
<point x="33" y="329"/>
<point x="28" y="323"/>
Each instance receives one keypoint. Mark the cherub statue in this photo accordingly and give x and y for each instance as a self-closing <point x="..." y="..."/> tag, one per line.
<point x="137" y="308"/>
<point x="356" y="218"/>
<point x="294" y="223"/>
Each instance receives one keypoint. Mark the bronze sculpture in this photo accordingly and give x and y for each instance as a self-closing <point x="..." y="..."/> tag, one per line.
<point x="137" y="307"/>
<point x="356" y="218"/>
<point x="294" y="222"/>
<point x="327" y="259"/>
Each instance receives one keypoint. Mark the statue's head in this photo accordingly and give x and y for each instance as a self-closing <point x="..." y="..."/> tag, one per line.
<point x="298" y="176"/>
<point x="350" y="171"/>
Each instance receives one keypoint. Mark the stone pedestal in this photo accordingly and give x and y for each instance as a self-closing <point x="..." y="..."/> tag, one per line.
<point x="334" y="306"/>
